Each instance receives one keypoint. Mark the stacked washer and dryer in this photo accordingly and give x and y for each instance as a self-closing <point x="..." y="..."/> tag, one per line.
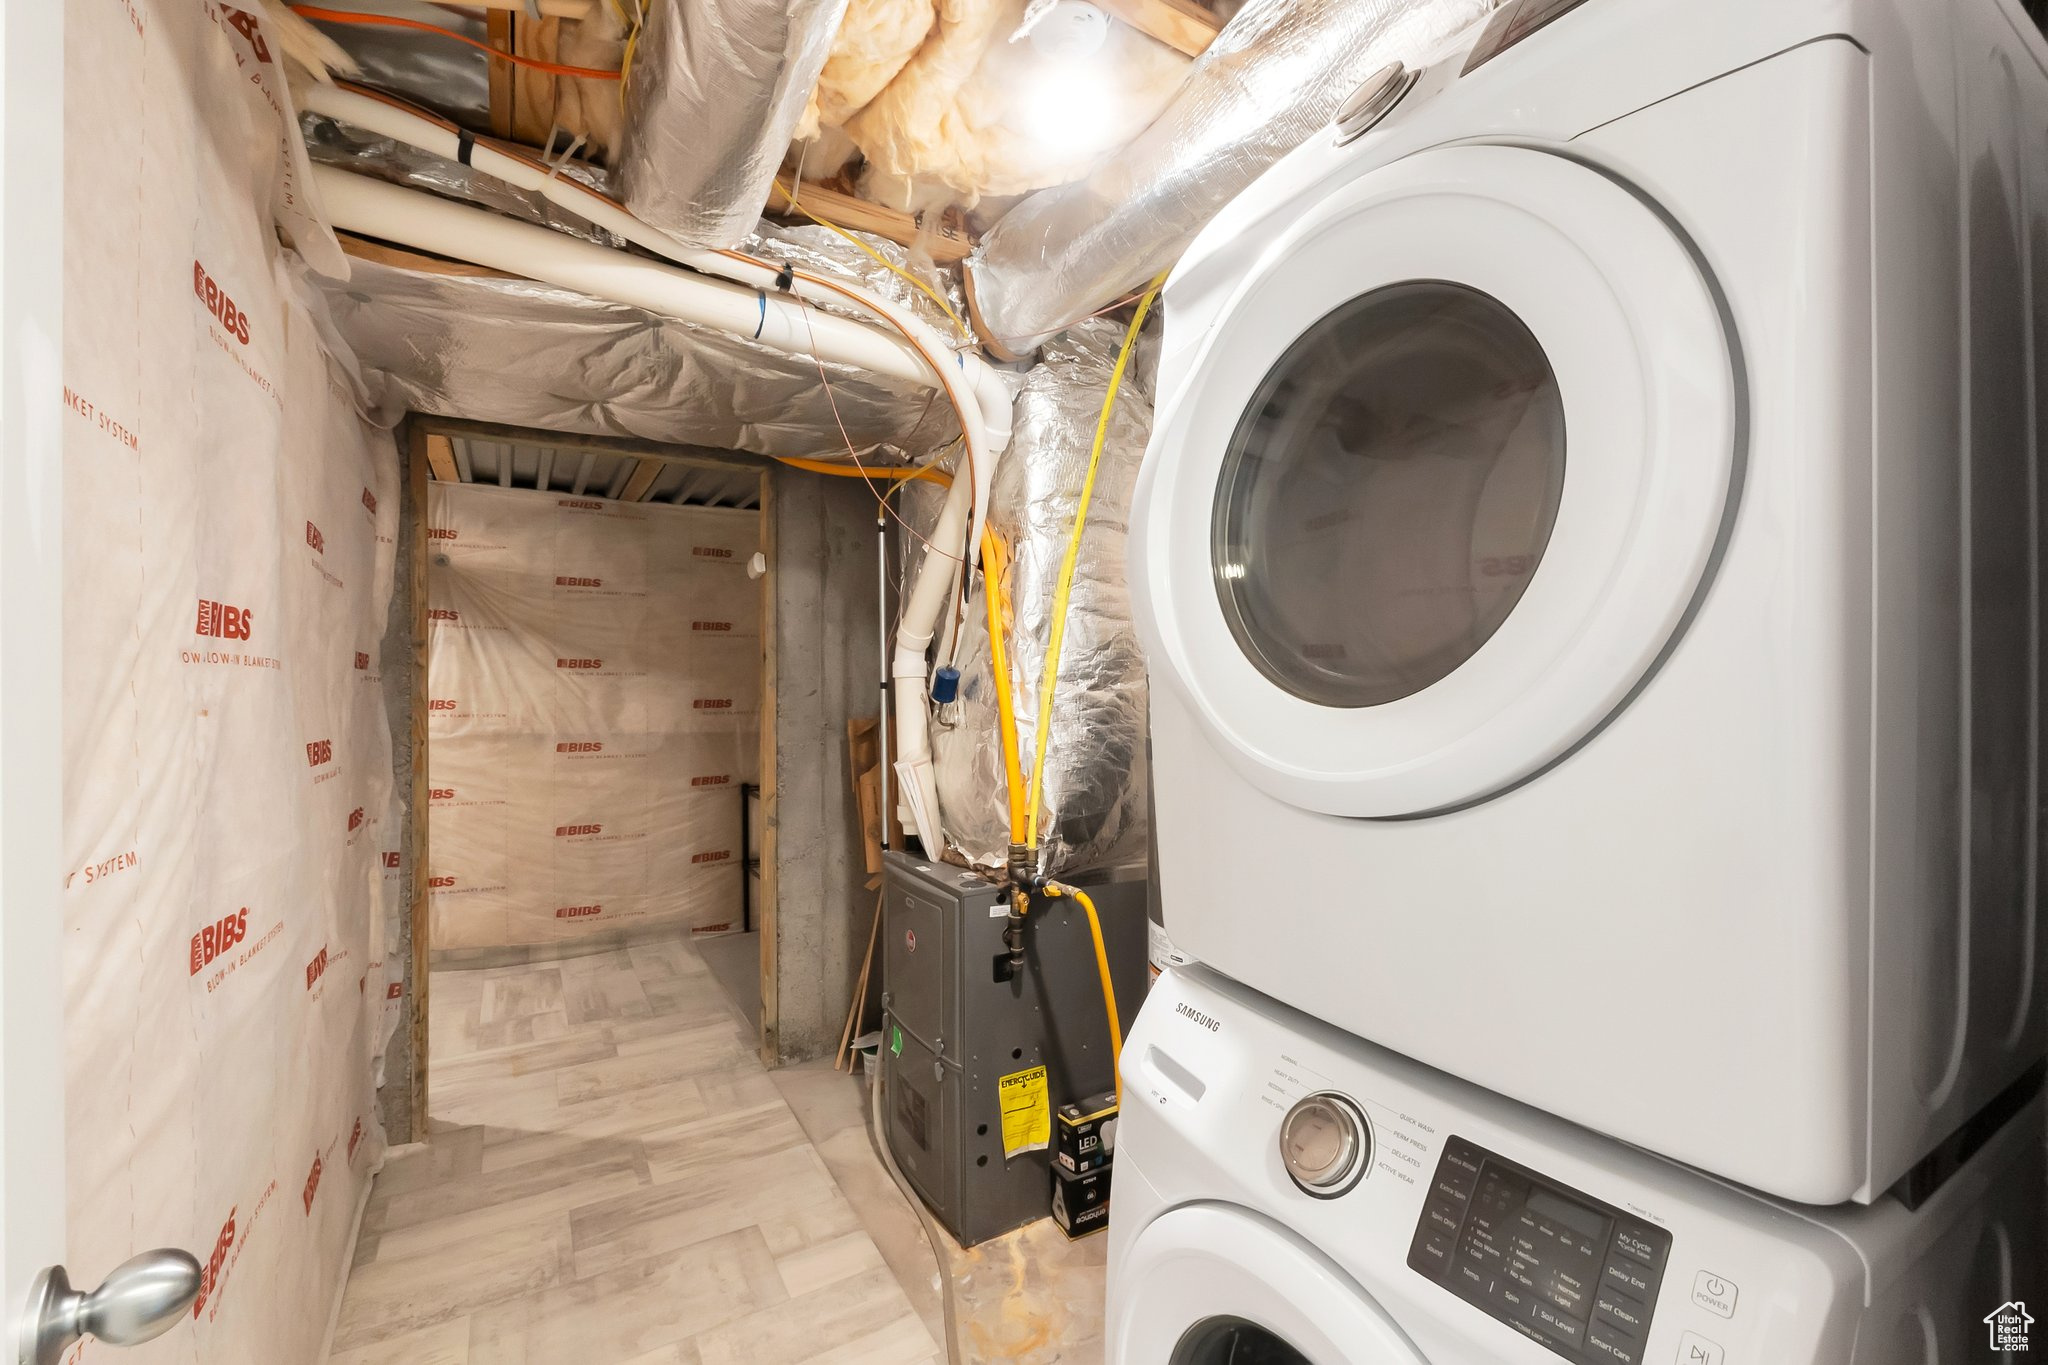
<point x="1590" y="560"/>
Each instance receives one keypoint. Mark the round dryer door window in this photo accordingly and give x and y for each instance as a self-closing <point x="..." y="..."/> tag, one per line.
<point x="1388" y="493"/>
<point x="1442" y="483"/>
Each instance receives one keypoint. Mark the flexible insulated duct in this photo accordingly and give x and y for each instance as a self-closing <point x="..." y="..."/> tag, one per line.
<point x="1093" y="790"/>
<point x="713" y="96"/>
<point x="496" y="349"/>
<point x="1274" y="75"/>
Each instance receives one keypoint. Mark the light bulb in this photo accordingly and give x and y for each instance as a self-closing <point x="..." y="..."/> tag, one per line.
<point x="1072" y="30"/>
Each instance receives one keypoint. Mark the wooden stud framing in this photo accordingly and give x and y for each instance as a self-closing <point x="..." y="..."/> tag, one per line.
<point x="382" y="253"/>
<point x="645" y="472"/>
<point x="499" y="33"/>
<point x="1180" y="24"/>
<point x="948" y="241"/>
<point x="414" y="859"/>
<point x="553" y="9"/>
<point x="765" y="913"/>
<point x="441" y="459"/>
<point x="534" y="93"/>
<point x="703" y="457"/>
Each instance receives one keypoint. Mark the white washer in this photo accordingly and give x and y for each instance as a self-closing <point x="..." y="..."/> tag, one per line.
<point x="1458" y="1228"/>
<point x="1589" y="559"/>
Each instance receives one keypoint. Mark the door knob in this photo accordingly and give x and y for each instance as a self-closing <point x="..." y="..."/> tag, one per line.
<point x="138" y="1301"/>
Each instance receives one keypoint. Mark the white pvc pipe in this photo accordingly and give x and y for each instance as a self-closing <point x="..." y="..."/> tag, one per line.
<point x="917" y="785"/>
<point x="371" y="207"/>
<point x="973" y="386"/>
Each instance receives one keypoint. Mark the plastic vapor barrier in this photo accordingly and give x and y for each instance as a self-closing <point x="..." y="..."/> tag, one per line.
<point x="594" y="708"/>
<point x="715" y="92"/>
<point x="1275" y="74"/>
<point x="229" y="549"/>
<point x="1093" y="810"/>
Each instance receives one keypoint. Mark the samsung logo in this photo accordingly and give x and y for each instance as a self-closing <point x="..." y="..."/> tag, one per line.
<point x="1213" y="1025"/>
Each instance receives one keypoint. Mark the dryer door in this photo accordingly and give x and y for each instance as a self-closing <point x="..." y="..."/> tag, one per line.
<point x="1210" y="1285"/>
<point x="1442" y="483"/>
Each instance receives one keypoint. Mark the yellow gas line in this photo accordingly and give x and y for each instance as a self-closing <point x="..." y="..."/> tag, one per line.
<point x="993" y="559"/>
<point x="1116" y="1032"/>
<point x="886" y="472"/>
<point x="1066" y="581"/>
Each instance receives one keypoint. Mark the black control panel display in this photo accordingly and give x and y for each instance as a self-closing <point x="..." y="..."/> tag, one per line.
<point x="1511" y="23"/>
<point x="1558" y="1266"/>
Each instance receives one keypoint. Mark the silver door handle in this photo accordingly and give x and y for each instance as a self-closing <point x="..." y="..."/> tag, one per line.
<point x="138" y="1301"/>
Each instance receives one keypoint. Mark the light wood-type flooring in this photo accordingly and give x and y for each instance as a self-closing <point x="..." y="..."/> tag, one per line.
<point x="614" y="1179"/>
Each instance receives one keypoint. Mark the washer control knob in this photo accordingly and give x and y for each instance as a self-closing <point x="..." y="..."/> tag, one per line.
<point x="1325" y="1144"/>
<point x="1372" y="101"/>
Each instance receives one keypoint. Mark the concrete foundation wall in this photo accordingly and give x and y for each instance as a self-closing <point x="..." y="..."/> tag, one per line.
<point x="820" y="627"/>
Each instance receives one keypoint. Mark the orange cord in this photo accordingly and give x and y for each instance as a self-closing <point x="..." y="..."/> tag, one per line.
<point x="336" y="16"/>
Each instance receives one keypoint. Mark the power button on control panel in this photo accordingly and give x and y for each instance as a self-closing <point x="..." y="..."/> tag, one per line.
<point x="1715" y="1293"/>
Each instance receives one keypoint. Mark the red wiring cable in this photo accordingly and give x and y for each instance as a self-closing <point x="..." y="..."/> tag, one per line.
<point x="337" y="16"/>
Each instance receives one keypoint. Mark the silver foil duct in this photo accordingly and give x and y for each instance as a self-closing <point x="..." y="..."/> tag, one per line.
<point x="331" y="142"/>
<point x="532" y="355"/>
<point x="1274" y="75"/>
<point x="1093" y="811"/>
<point x="715" y="92"/>
<point x="512" y="351"/>
<point x="451" y="78"/>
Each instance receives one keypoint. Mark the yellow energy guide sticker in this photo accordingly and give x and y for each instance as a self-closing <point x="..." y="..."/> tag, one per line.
<point x="1027" y="1117"/>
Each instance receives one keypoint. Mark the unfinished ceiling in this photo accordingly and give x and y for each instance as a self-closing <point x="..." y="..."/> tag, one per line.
<point x="1060" y="152"/>
<point x="592" y="472"/>
<point x="897" y="114"/>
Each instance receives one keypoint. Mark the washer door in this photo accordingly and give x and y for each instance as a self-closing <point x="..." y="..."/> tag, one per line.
<point x="1443" y="482"/>
<point x="1210" y="1285"/>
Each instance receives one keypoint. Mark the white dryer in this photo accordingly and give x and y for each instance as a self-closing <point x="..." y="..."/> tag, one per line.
<point x="1286" y="1194"/>
<point x="1589" y="559"/>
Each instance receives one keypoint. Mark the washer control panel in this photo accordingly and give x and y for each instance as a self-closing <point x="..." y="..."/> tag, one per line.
<point x="1561" y="1267"/>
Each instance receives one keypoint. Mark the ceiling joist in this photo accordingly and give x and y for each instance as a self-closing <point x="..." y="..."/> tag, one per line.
<point x="441" y="459"/>
<point x="947" y="241"/>
<point x="645" y="472"/>
<point x="398" y="257"/>
<point x="1181" y="24"/>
